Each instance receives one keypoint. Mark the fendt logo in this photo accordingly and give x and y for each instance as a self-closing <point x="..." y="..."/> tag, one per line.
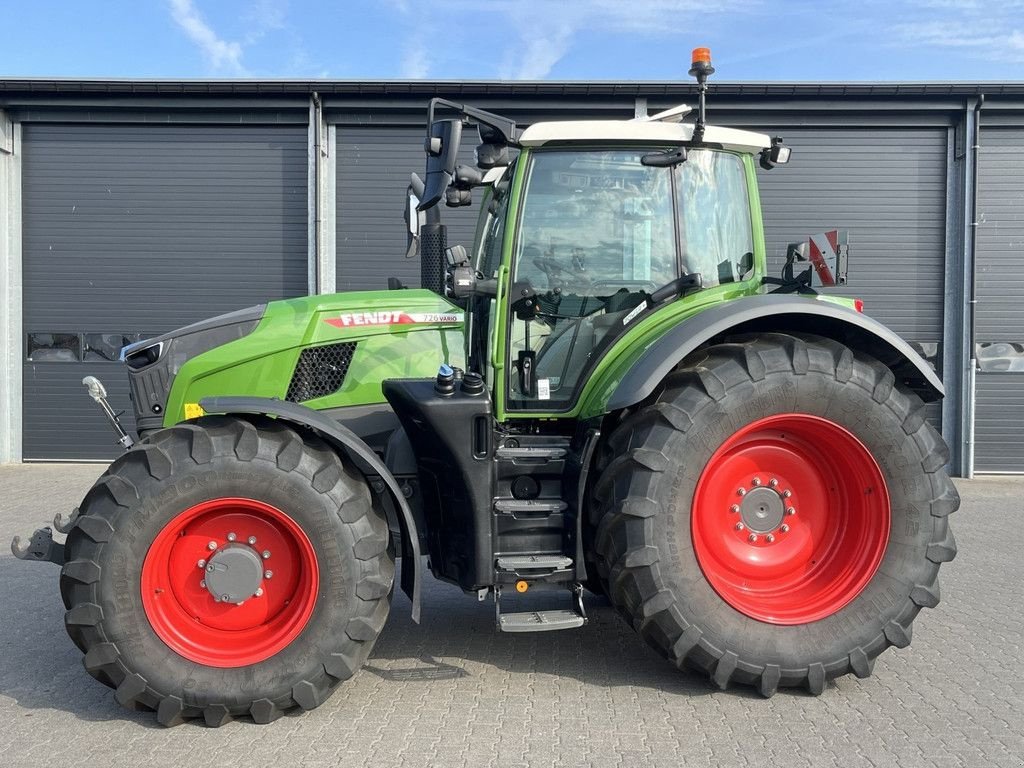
<point x="393" y="317"/>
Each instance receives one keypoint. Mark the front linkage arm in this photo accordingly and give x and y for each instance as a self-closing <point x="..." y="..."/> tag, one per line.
<point x="40" y="548"/>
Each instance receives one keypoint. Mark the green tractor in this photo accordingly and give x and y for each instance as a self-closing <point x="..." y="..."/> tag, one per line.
<point x="604" y="392"/>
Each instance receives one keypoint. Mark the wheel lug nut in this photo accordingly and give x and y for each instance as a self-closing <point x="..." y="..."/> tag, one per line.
<point x="252" y="540"/>
<point x="203" y="584"/>
<point x="209" y="568"/>
<point x="266" y="554"/>
<point x="268" y="574"/>
<point x="232" y="537"/>
<point x="739" y="526"/>
<point x="224" y="598"/>
<point x="773" y="482"/>
<point x="752" y="538"/>
<point x="259" y="592"/>
<point x="784" y="528"/>
<point x="734" y="508"/>
<point x="741" y="491"/>
<point x="786" y="494"/>
<point x="790" y="511"/>
<point x="756" y="481"/>
<point x="211" y="546"/>
<point x="769" y="538"/>
<point x="201" y="564"/>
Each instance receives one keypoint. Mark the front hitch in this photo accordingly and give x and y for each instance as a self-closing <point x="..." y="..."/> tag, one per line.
<point x="41" y="548"/>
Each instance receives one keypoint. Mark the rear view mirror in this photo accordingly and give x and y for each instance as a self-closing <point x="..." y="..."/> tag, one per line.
<point x="442" y="148"/>
<point x="414" y="218"/>
<point x="412" y="214"/>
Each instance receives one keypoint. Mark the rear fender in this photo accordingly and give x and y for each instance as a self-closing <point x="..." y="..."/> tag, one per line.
<point x="344" y="439"/>
<point x="774" y="313"/>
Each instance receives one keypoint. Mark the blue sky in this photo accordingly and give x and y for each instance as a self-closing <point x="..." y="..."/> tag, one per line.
<point x="521" y="39"/>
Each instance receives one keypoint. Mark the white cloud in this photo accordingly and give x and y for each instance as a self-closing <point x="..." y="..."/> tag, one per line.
<point x="542" y="32"/>
<point x="222" y="55"/>
<point x="984" y="29"/>
<point x="415" y="60"/>
<point x="547" y="30"/>
<point x="264" y="16"/>
<point x="540" y="53"/>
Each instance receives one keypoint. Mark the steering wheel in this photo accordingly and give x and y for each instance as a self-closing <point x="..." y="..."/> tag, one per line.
<point x="558" y="275"/>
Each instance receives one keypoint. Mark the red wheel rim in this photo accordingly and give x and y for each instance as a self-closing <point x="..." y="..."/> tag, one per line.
<point x="250" y="536"/>
<point x="790" y="519"/>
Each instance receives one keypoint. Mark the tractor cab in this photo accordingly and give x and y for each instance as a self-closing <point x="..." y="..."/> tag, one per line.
<point x="591" y="228"/>
<point x="593" y="237"/>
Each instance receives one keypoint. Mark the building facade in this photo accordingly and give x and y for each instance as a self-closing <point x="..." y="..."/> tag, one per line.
<point x="130" y="208"/>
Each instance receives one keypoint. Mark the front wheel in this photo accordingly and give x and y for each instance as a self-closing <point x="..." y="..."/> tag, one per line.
<point x="776" y="515"/>
<point x="224" y="568"/>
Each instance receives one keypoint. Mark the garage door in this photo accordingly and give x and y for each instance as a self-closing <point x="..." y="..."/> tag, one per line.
<point x="887" y="187"/>
<point x="999" y="415"/>
<point x="373" y="170"/>
<point x="134" y="230"/>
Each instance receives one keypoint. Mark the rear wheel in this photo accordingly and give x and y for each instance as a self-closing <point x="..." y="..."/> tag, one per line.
<point x="776" y="514"/>
<point x="224" y="568"/>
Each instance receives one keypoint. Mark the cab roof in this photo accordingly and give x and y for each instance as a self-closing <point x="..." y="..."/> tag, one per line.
<point x="653" y="132"/>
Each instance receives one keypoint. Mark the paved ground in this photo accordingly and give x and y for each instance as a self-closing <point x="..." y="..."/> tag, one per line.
<point x="452" y="692"/>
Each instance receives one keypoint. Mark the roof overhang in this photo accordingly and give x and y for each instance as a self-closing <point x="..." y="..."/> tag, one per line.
<point x="631" y="131"/>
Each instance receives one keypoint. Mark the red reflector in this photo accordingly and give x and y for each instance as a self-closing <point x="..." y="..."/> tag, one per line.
<point x="858" y="304"/>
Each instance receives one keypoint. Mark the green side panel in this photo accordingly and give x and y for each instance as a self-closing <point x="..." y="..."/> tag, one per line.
<point x="406" y="333"/>
<point x="632" y="345"/>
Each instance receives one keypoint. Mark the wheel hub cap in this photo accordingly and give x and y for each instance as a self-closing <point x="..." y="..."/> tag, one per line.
<point x="234" y="573"/>
<point x="762" y="510"/>
<point x="229" y="582"/>
<point x="790" y="519"/>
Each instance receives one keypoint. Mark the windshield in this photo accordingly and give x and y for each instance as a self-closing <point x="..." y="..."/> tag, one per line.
<point x="599" y="232"/>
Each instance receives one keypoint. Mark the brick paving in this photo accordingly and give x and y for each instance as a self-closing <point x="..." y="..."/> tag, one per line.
<point x="453" y="692"/>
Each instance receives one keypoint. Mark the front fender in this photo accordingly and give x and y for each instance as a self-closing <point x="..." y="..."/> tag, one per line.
<point x="767" y="313"/>
<point x="352" y="445"/>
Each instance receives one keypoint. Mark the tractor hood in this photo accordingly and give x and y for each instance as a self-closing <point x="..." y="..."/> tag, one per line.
<point x="323" y="351"/>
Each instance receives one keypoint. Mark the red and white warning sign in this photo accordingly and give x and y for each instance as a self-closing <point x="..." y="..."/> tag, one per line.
<point x="827" y="253"/>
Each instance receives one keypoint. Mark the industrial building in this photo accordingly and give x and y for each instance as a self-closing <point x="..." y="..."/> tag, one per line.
<point x="129" y="208"/>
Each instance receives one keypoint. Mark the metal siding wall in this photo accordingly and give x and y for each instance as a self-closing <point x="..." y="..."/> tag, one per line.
<point x="887" y="186"/>
<point x="999" y="423"/>
<point x="143" y="229"/>
<point x="374" y="163"/>
<point x="999" y="439"/>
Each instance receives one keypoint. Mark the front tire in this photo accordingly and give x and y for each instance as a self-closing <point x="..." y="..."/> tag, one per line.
<point x="776" y="514"/>
<point x="226" y="568"/>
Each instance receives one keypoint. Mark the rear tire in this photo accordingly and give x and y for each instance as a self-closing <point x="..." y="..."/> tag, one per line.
<point x="692" y="582"/>
<point x="128" y="579"/>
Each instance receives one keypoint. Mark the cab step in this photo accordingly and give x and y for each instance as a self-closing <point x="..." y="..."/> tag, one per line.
<point x="540" y="621"/>
<point x="519" y="563"/>
<point x="529" y="506"/>
<point x="532" y="453"/>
